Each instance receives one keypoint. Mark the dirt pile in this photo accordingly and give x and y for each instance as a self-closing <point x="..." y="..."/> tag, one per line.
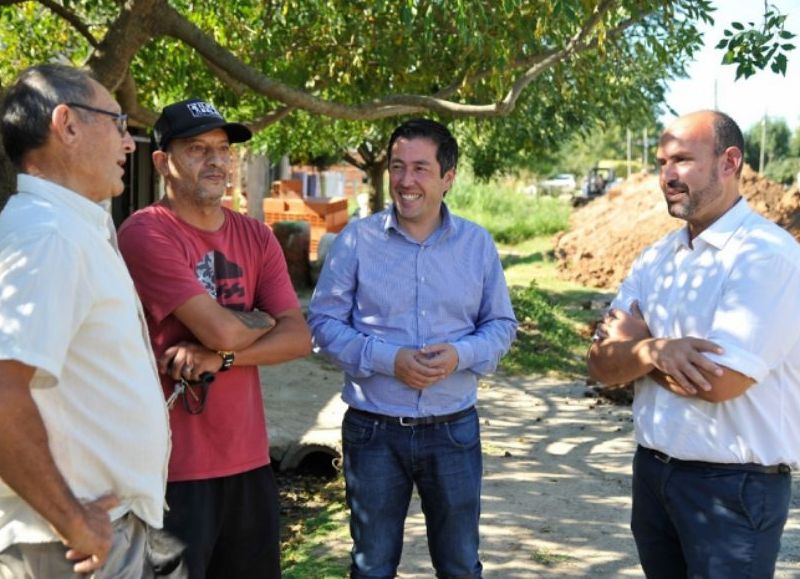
<point x="606" y="235"/>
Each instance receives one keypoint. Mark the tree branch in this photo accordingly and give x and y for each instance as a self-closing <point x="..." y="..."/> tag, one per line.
<point x="575" y="45"/>
<point x="141" y="20"/>
<point x="270" y="118"/>
<point x="347" y="157"/>
<point x="137" y="23"/>
<point x="72" y="18"/>
<point x="127" y="95"/>
<point x="174" y="24"/>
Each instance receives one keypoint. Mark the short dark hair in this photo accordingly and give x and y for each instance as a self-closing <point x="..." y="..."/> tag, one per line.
<point x="446" y="145"/>
<point x="28" y="105"/>
<point x="727" y="134"/>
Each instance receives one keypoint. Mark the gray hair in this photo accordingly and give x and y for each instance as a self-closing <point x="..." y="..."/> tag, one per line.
<point x="26" y="111"/>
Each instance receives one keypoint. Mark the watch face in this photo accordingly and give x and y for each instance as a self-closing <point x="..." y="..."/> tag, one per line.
<point x="227" y="360"/>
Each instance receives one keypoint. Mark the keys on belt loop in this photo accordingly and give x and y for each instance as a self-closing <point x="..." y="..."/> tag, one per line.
<point x="197" y="390"/>
<point x="178" y="389"/>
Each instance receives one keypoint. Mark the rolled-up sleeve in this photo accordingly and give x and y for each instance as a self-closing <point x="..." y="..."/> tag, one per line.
<point x="750" y="320"/>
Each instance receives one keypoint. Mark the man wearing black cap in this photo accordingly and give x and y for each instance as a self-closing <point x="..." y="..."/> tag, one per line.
<point x="218" y="300"/>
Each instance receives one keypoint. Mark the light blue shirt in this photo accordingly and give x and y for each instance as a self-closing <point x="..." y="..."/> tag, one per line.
<point x="380" y="291"/>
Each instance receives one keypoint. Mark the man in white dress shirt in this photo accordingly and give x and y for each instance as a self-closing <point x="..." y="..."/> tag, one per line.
<point x="707" y="323"/>
<point x="84" y="437"/>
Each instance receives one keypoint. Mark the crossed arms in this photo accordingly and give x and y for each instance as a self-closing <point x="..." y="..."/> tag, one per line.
<point x="624" y="350"/>
<point x="256" y="337"/>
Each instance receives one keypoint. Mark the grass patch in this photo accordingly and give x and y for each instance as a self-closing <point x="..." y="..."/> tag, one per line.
<point x="548" y="339"/>
<point x="509" y="215"/>
<point x="314" y="529"/>
<point x="554" y="314"/>
<point x="550" y="559"/>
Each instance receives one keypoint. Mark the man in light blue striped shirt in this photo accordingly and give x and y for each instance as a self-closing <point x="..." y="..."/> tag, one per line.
<point x="413" y="306"/>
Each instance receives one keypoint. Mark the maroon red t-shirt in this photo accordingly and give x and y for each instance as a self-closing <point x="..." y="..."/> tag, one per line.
<point x="241" y="265"/>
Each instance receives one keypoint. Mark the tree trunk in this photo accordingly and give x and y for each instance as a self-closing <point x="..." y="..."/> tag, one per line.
<point x="375" y="173"/>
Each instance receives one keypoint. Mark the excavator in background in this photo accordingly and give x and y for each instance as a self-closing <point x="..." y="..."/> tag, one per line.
<point x="597" y="182"/>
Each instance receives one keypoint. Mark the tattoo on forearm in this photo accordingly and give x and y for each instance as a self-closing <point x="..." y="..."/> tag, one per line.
<point x="255" y="320"/>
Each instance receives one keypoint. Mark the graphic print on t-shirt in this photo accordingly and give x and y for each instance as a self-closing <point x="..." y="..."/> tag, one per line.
<point x="222" y="279"/>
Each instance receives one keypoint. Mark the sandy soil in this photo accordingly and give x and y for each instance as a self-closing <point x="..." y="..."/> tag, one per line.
<point x="556" y="494"/>
<point x="607" y="234"/>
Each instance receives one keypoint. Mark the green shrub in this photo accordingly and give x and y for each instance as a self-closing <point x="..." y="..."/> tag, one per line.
<point x="783" y="171"/>
<point x="548" y="340"/>
<point x="509" y="215"/>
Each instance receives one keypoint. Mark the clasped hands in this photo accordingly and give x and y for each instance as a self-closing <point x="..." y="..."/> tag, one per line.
<point x="421" y="368"/>
<point x="678" y="363"/>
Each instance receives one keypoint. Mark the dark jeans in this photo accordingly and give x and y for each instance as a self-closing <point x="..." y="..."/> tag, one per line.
<point x="710" y="523"/>
<point x="220" y="528"/>
<point x="382" y="463"/>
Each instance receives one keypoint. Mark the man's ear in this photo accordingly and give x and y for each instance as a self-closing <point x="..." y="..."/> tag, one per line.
<point x="64" y="124"/>
<point x="449" y="177"/>
<point x="160" y="161"/>
<point x="732" y="159"/>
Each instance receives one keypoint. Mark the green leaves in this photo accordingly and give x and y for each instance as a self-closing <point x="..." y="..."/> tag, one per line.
<point x="356" y="53"/>
<point x="752" y="49"/>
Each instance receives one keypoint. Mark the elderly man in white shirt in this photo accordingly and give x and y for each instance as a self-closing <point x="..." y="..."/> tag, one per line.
<point x="708" y="325"/>
<point x="84" y="437"/>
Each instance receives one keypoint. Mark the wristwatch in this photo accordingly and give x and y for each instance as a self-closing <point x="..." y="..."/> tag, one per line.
<point x="227" y="359"/>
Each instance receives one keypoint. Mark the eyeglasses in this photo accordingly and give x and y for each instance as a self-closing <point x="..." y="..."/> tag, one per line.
<point x="120" y="119"/>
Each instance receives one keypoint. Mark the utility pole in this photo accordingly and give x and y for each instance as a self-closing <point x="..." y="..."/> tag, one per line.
<point x="628" y="150"/>
<point x="644" y="150"/>
<point x="716" y="103"/>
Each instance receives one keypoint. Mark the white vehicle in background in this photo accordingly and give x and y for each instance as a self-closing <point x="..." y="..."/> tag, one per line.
<point x="558" y="184"/>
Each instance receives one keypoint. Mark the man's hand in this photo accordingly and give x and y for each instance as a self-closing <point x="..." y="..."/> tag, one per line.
<point x="670" y="384"/>
<point x="620" y="325"/>
<point x="678" y="365"/>
<point x="683" y="362"/>
<point x="89" y="542"/>
<point x="409" y="370"/>
<point x="189" y="360"/>
<point x="443" y="357"/>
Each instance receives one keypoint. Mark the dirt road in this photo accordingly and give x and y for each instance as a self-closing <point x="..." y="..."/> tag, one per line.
<point x="556" y="493"/>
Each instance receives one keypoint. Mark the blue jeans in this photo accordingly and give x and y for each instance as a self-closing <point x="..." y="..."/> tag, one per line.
<point x="710" y="523"/>
<point x="382" y="462"/>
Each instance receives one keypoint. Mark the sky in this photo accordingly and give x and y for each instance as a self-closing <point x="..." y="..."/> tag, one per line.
<point x="745" y="100"/>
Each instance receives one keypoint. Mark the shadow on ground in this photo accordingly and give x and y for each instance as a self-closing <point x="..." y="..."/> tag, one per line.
<point x="556" y="491"/>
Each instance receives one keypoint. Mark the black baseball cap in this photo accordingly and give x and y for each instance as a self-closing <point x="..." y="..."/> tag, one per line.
<point x="194" y="117"/>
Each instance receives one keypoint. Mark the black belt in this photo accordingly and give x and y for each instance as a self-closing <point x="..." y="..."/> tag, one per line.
<point x="413" y="421"/>
<point x="746" y="466"/>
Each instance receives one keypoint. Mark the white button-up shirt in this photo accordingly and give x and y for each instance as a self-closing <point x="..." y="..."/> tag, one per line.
<point x="68" y="308"/>
<point x="738" y="285"/>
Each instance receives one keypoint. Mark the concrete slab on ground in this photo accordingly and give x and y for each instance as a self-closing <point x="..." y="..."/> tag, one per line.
<point x="304" y="410"/>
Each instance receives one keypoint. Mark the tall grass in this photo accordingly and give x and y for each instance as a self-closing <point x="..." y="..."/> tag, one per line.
<point x="508" y="214"/>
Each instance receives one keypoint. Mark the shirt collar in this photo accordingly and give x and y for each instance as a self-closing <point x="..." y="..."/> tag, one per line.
<point x="446" y="226"/>
<point x="718" y="233"/>
<point x="89" y="211"/>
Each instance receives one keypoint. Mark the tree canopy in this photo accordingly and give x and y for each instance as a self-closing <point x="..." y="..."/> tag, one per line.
<point x="340" y="69"/>
<point x="347" y="59"/>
